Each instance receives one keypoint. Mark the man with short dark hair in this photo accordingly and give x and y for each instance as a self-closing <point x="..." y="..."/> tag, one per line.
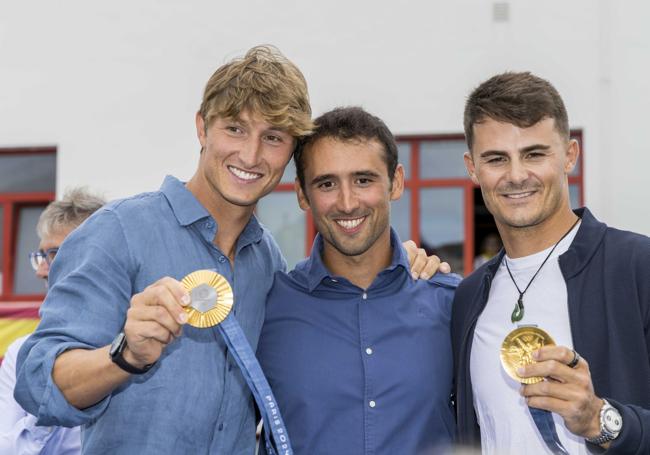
<point x="19" y="433"/>
<point x="357" y="352"/>
<point x="565" y="305"/>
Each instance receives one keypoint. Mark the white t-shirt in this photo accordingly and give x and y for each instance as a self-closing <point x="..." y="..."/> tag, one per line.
<point x="506" y="425"/>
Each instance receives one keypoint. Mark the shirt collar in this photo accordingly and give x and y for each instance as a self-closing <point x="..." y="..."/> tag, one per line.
<point x="316" y="271"/>
<point x="188" y="210"/>
<point x="184" y="204"/>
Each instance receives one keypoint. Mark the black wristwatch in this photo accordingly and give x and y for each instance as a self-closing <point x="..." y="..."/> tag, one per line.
<point x="116" y="351"/>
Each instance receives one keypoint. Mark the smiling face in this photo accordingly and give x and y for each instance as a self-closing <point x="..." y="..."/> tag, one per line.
<point x="522" y="171"/>
<point x="348" y="191"/>
<point x="242" y="160"/>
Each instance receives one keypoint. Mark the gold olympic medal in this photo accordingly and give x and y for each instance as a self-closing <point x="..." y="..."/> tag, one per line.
<point x="211" y="298"/>
<point x="517" y="350"/>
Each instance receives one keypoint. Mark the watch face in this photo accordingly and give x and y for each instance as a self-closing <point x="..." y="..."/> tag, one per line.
<point x="117" y="342"/>
<point x="612" y="420"/>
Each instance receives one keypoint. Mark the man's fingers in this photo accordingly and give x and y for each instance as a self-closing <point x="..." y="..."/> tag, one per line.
<point x="152" y="330"/>
<point x="553" y="361"/>
<point x="177" y="289"/>
<point x="561" y="354"/>
<point x="161" y="295"/>
<point x="157" y="314"/>
<point x="551" y="389"/>
<point x="423" y="267"/>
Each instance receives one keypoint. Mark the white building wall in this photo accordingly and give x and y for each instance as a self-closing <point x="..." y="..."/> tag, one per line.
<point x="115" y="85"/>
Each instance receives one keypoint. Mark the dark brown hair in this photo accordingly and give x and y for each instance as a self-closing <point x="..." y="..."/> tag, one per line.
<point x="521" y="99"/>
<point x="348" y="124"/>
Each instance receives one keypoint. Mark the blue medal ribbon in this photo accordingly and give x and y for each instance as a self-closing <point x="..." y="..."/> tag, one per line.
<point x="546" y="426"/>
<point x="245" y="357"/>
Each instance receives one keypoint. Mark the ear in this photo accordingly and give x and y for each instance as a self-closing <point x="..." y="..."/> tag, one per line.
<point x="303" y="202"/>
<point x="471" y="168"/>
<point x="397" y="185"/>
<point x="200" y="129"/>
<point x="572" y="154"/>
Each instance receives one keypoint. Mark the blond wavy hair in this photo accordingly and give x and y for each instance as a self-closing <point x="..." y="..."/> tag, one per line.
<point x="263" y="82"/>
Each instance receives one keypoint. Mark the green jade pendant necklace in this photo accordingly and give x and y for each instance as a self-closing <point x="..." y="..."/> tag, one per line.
<point x="518" y="313"/>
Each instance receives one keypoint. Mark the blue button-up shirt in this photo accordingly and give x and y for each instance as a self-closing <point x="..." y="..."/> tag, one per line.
<point x="194" y="400"/>
<point x="361" y="371"/>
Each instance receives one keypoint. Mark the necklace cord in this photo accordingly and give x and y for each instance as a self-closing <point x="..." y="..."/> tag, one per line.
<point x="520" y="301"/>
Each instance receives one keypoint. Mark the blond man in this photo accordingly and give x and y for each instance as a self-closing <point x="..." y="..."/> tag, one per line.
<point x="161" y="393"/>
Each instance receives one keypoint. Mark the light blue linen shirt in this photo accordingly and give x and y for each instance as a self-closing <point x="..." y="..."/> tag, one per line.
<point x="194" y="400"/>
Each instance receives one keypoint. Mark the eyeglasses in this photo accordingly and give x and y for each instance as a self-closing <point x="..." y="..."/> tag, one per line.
<point x="36" y="258"/>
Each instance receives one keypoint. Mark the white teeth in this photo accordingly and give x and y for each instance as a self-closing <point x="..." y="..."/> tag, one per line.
<point x="243" y="174"/>
<point x="350" y="224"/>
<point x="518" y="195"/>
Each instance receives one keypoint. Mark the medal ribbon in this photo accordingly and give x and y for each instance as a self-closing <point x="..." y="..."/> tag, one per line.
<point x="546" y="426"/>
<point x="258" y="385"/>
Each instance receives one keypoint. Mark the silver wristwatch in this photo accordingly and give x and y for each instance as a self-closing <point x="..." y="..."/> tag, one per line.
<point x="611" y="423"/>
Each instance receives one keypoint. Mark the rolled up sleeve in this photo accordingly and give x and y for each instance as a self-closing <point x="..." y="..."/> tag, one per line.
<point x="90" y="290"/>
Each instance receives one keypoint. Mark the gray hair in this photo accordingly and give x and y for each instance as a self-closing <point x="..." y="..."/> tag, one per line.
<point x="69" y="212"/>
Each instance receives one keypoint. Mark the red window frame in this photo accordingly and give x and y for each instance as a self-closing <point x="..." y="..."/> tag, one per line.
<point x="12" y="203"/>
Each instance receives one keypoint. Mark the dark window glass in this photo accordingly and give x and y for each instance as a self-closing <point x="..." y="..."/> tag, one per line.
<point x="27" y="172"/>
<point x="25" y="281"/>
<point x="442" y="224"/>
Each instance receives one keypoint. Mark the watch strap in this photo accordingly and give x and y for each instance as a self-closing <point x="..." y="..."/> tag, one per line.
<point x="117" y="356"/>
<point x="605" y="435"/>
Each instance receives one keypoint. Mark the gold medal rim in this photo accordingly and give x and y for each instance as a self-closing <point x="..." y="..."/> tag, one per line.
<point x="225" y="298"/>
<point x="508" y="341"/>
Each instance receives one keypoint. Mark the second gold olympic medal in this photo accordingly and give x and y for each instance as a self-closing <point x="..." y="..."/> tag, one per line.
<point x="517" y="350"/>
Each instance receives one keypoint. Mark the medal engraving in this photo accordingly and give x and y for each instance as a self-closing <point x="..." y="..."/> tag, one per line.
<point x="204" y="298"/>
<point x="517" y="350"/>
<point x="211" y="298"/>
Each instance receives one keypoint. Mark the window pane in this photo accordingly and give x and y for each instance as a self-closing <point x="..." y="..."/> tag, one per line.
<point x="27" y="172"/>
<point x="404" y="157"/>
<point x="574" y="196"/>
<point x="280" y="213"/>
<point x="289" y="175"/>
<point x="400" y="215"/>
<point x="25" y="280"/>
<point x="442" y="224"/>
<point x="442" y="159"/>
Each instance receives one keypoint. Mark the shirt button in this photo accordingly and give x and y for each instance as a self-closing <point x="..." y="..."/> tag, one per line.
<point x="372" y="404"/>
<point x="220" y="426"/>
<point x="229" y="366"/>
<point x="222" y="259"/>
<point x="364" y="296"/>
<point x="369" y="351"/>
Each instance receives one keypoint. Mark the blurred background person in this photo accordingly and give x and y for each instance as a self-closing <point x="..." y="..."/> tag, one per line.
<point x="490" y="246"/>
<point x="19" y="434"/>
